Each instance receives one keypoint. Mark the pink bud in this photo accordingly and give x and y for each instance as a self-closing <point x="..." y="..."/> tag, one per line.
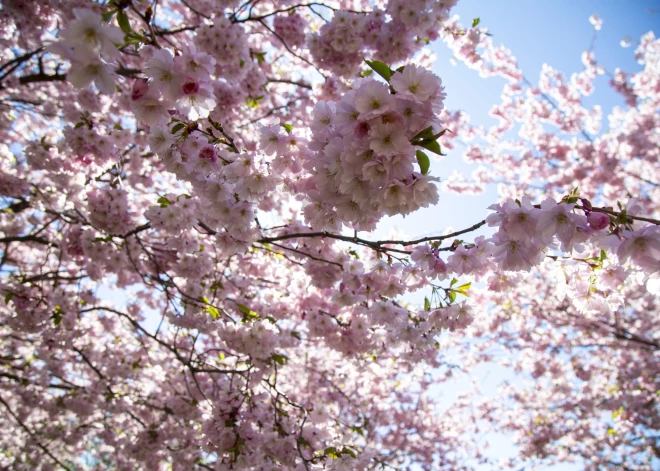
<point x="361" y="129"/>
<point x="208" y="153"/>
<point x="190" y="86"/>
<point x="598" y="221"/>
<point x="140" y="89"/>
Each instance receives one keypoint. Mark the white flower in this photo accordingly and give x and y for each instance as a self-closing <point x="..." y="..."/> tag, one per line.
<point x="160" y="139"/>
<point x="372" y="99"/>
<point x="196" y="103"/>
<point x="82" y="74"/>
<point x="388" y="139"/>
<point x="150" y="110"/>
<point x="596" y="21"/>
<point x="87" y="32"/>
<point x="415" y="83"/>
<point x="643" y="246"/>
<point x="161" y="69"/>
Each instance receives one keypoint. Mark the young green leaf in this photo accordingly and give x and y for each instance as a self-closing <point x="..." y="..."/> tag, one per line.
<point x="124" y="24"/>
<point x="423" y="161"/>
<point x="380" y="68"/>
<point x="107" y="16"/>
<point x="177" y="127"/>
<point x="463" y="289"/>
<point x="433" y="146"/>
<point x="279" y="359"/>
<point x="426" y="133"/>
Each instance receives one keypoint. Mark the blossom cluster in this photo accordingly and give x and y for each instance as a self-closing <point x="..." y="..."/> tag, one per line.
<point x="91" y="47"/>
<point x="363" y="151"/>
<point x="528" y="234"/>
<point x="391" y="36"/>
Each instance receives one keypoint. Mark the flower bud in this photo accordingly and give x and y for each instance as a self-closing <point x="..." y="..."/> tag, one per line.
<point x="598" y="221"/>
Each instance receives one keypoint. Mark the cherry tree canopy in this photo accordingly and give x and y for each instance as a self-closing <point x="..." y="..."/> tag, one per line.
<point x="219" y="168"/>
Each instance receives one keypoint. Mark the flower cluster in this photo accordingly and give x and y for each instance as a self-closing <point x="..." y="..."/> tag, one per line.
<point x="291" y="28"/>
<point x="364" y="151"/>
<point x="227" y="44"/>
<point x="108" y="210"/>
<point x="90" y="45"/>
<point x="391" y="36"/>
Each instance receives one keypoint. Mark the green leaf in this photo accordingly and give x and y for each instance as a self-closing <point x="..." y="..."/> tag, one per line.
<point x="124" y="24"/>
<point x="453" y="282"/>
<point x="366" y="73"/>
<point x="475" y="22"/>
<point x="261" y="57"/>
<point x="163" y="202"/>
<point x="463" y="289"/>
<point x="243" y="308"/>
<point x="177" y="127"/>
<point x="57" y="316"/>
<point x="423" y="161"/>
<point x="426" y="133"/>
<point x="287" y="127"/>
<point x="331" y="452"/>
<point x="433" y="146"/>
<point x="79" y="124"/>
<point x="254" y="102"/>
<point x="213" y="312"/>
<point x="427" y="304"/>
<point x="279" y="359"/>
<point x="348" y="451"/>
<point x="381" y="69"/>
<point x="603" y="255"/>
<point x="452" y="296"/>
<point x="8" y="297"/>
<point x="248" y="314"/>
<point x="107" y="16"/>
<point x="221" y="356"/>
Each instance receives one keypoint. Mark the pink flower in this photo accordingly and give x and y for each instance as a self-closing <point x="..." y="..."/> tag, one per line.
<point x="598" y="221"/>
<point x="140" y="89"/>
<point x="95" y="71"/>
<point x="190" y="86"/>
<point x="372" y="98"/>
<point x="208" y="153"/>
<point x="642" y="246"/>
<point x="198" y="100"/>
<point x="557" y="219"/>
<point x="415" y="83"/>
<point x="87" y="32"/>
<point x="387" y="139"/>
